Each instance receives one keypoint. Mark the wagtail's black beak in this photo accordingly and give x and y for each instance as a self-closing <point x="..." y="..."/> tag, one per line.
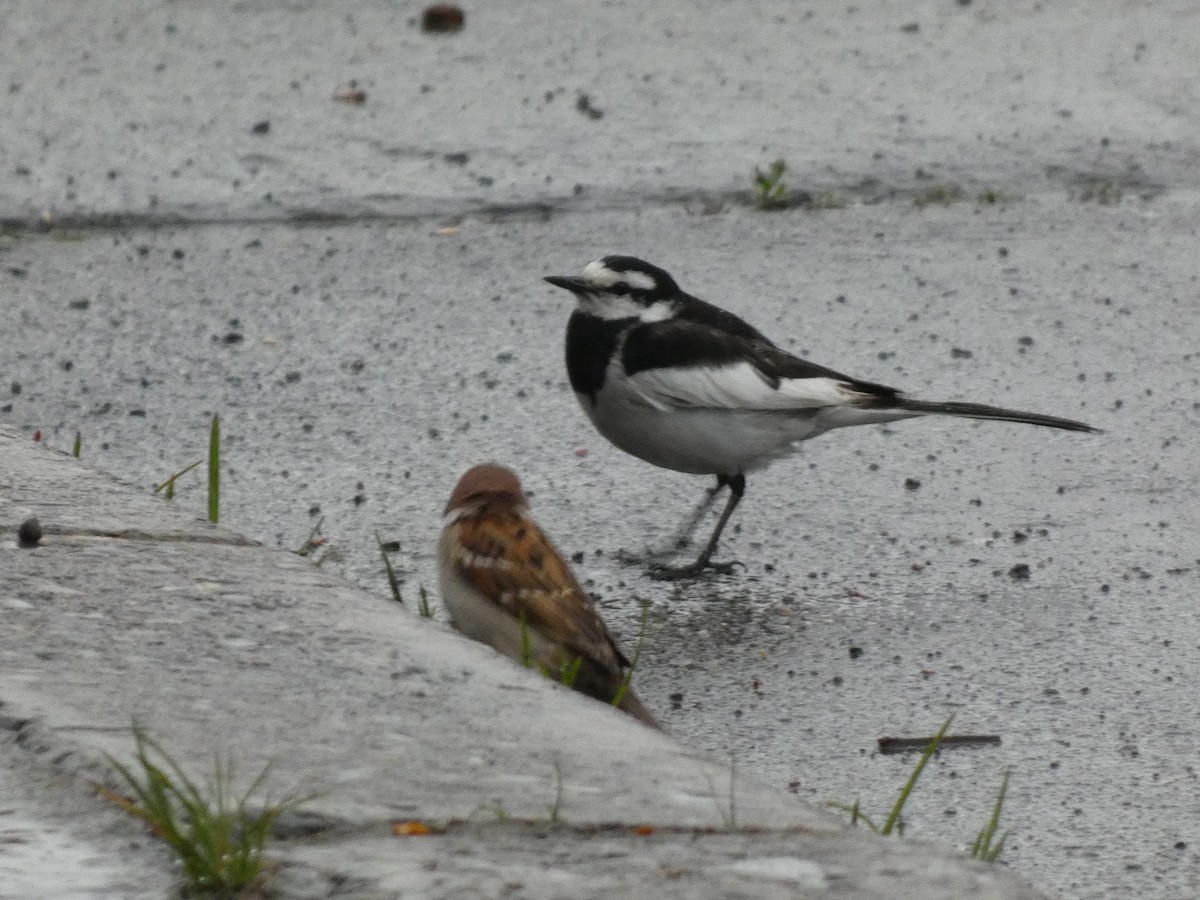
<point x="574" y="285"/>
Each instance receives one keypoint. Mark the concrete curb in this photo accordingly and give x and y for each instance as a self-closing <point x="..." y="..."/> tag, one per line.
<point x="131" y="610"/>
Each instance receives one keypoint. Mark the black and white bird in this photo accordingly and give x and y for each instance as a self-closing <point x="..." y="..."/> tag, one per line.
<point x="689" y="386"/>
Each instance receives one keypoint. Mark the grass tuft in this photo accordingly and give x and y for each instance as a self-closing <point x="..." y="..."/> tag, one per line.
<point x="986" y="847"/>
<point x="769" y="190"/>
<point x="992" y="196"/>
<point x="940" y="194"/>
<point x="216" y="836"/>
<point x="894" y="822"/>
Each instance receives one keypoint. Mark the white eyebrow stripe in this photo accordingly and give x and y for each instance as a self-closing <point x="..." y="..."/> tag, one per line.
<point x="598" y="274"/>
<point x="639" y="280"/>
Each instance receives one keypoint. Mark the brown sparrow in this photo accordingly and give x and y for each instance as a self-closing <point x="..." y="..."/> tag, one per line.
<point x="506" y="585"/>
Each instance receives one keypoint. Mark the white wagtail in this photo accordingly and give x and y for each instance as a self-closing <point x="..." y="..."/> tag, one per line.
<point x="689" y="386"/>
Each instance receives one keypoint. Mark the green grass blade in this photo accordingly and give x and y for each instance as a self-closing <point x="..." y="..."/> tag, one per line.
<point x="423" y="606"/>
<point x="214" y="470"/>
<point x="310" y="542"/>
<point x="894" y="817"/>
<point x="169" y="484"/>
<point x="391" y="575"/>
<point x="627" y="679"/>
<point x="526" y="643"/>
<point x="77" y="447"/>
<point x="856" y="814"/>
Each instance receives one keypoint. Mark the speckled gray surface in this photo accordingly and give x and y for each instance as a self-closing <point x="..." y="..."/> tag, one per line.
<point x="360" y="364"/>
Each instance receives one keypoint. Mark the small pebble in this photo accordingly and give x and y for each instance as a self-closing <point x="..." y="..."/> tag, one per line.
<point x="30" y="533"/>
<point x="443" y="17"/>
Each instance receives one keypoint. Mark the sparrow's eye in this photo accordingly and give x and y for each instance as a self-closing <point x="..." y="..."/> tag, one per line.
<point x="621" y="287"/>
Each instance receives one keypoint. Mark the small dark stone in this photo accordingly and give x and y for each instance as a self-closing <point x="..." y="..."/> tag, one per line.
<point x="856" y="652"/>
<point x="390" y="546"/>
<point x="457" y="159"/>
<point x="911" y="28"/>
<point x="911" y="484"/>
<point x="960" y="353"/>
<point x="1019" y="572"/>
<point x="177" y="253"/>
<point x="261" y="127"/>
<point x="30" y="532"/>
<point x="81" y="303"/>
<point x="15" y="388"/>
<point x="233" y="337"/>
<point x="583" y="103"/>
<point x="442" y="18"/>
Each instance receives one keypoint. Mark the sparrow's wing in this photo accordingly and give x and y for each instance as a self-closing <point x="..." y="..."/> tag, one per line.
<point x="510" y="561"/>
<point x="684" y="364"/>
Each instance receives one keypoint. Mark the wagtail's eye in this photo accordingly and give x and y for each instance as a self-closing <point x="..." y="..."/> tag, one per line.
<point x="621" y="287"/>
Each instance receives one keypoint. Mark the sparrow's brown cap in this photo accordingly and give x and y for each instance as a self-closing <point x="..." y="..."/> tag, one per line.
<point x="487" y="480"/>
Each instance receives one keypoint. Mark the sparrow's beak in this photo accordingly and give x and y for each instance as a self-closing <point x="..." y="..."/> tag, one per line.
<point x="572" y="284"/>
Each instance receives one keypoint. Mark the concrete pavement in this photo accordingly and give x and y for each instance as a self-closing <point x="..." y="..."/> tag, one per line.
<point x="1006" y="212"/>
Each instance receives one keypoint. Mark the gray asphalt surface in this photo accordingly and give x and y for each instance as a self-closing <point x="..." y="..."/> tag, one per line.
<point x="360" y="364"/>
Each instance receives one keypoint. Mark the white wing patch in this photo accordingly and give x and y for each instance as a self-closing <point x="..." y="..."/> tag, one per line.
<point x="737" y="386"/>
